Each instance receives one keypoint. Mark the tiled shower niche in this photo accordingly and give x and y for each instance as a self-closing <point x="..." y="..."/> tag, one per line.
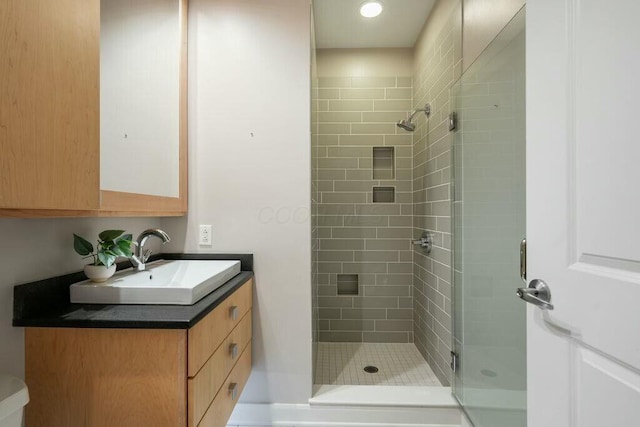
<point x="383" y="163"/>
<point x="384" y="194"/>
<point x="348" y="284"/>
<point x="359" y="148"/>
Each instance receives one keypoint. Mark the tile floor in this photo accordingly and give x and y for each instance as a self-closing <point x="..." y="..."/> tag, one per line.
<point x="398" y="364"/>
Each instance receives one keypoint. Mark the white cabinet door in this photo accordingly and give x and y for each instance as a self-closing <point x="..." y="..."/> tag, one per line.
<point x="583" y="212"/>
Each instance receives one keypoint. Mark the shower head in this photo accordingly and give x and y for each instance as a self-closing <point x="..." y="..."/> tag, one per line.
<point x="407" y="124"/>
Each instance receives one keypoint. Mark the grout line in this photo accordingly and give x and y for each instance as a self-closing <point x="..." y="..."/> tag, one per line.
<point x="399" y="364"/>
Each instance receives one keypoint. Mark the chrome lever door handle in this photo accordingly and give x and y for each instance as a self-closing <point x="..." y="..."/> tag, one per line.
<point x="537" y="293"/>
<point x="529" y="295"/>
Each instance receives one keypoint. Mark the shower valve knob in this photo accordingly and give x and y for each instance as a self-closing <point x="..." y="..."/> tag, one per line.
<point x="425" y="242"/>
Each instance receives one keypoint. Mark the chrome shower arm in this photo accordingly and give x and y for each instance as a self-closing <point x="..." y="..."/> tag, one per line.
<point x="426" y="110"/>
<point x="407" y="124"/>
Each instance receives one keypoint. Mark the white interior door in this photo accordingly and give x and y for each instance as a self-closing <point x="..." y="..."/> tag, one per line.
<point x="583" y="212"/>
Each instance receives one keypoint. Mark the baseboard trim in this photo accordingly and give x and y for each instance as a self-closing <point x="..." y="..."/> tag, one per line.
<point x="304" y="415"/>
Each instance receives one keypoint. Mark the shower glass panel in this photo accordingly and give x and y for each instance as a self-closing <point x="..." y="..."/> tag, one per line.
<point x="489" y="223"/>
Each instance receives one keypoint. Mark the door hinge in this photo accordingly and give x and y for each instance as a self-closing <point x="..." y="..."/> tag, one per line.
<point x="454" y="361"/>
<point x="453" y="121"/>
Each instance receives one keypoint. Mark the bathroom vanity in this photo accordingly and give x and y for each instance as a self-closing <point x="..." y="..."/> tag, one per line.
<point x="135" y="365"/>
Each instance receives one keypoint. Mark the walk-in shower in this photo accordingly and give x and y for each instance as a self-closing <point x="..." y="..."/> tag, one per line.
<point x="407" y="124"/>
<point x="379" y="301"/>
<point x="385" y="311"/>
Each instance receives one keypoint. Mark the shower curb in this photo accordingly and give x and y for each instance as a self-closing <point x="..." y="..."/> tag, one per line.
<point x="380" y="395"/>
<point x="306" y="415"/>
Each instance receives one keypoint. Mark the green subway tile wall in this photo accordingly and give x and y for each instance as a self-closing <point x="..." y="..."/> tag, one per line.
<point x="355" y="235"/>
<point x="437" y="65"/>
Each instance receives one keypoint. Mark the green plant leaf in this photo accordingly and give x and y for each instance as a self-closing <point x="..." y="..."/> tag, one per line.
<point x="110" y="252"/>
<point x="81" y="246"/>
<point x="125" y="247"/>
<point x="105" y="246"/>
<point x="108" y="235"/>
<point x="128" y="237"/>
<point x="116" y="251"/>
<point x="107" y="259"/>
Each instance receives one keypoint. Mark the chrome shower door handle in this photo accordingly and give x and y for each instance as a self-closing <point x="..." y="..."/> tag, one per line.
<point x="523" y="260"/>
<point x="537" y="293"/>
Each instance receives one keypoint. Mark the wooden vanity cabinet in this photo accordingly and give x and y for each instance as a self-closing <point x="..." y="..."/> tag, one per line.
<point x="141" y="377"/>
<point x="219" y="360"/>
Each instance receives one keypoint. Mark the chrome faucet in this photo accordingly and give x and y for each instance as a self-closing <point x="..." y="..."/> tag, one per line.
<point x="140" y="256"/>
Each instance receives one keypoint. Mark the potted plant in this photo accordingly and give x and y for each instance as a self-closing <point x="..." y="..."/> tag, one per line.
<point x="111" y="245"/>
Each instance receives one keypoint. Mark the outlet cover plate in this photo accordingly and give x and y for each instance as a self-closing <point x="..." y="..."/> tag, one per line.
<point x="205" y="237"/>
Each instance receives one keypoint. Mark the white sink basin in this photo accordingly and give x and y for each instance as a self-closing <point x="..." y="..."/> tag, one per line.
<point x="164" y="282"/>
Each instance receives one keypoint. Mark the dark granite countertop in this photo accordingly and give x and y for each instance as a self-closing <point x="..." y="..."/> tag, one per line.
<point x="45" y="303"/>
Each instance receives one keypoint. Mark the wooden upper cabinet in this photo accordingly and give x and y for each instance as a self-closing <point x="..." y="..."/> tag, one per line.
<point x="50" y="116"/>
<point x="49" y="104"/>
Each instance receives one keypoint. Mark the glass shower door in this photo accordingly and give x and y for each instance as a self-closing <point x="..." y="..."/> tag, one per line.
<point x="489" y="223"/>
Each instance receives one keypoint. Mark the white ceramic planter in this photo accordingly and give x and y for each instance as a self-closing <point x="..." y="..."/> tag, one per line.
<point x="99" y="273"/>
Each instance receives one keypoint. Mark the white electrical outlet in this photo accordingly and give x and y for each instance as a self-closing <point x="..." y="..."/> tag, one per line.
<point x="206" y="236"/>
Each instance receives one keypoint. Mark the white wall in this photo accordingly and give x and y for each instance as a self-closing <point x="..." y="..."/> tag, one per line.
<point x="249" y="171"/>
<point x="34" y="249"/>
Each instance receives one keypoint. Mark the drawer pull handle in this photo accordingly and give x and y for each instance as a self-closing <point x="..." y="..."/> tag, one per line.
<point x="233" y="390"/>
<point x="233" y="312"/>
<point x="233" y="350"/>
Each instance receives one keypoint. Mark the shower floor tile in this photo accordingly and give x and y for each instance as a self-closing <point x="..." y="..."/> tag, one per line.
<point x="398" y="364"/>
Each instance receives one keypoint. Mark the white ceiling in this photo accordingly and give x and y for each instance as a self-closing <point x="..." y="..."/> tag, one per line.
<point x="339" y="24"/>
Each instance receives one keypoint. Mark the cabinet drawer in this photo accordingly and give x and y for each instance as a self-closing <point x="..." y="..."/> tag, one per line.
<point x="80" y="377"/>
<point x="220" y="410"/>
<point x="206" y="384"/>
<point x="207" y="335"/>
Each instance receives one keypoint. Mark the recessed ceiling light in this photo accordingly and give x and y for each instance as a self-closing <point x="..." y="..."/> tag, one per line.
<point x="371" y="9"/>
